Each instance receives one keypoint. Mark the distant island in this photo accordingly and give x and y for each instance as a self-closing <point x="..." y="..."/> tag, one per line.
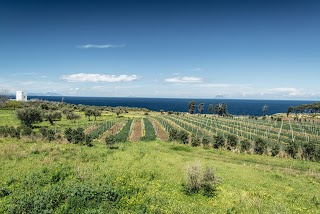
<point x="44" y="94"/>
<point x="220" y="97"/>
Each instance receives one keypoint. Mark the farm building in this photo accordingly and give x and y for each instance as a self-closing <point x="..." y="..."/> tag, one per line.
<point x="21" y="96"/>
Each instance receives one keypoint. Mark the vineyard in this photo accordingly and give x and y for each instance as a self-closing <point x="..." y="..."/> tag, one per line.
<point x="264" y="135"/>
<point x="295" y="138"/>
<point x="135" y="162"/>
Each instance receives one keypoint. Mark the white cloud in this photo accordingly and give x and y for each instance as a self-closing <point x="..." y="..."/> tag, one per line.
<point x="101" y="46"/>
<point x="82" y="77"/>
<point x="184" y="80"/>
<point x="284" y="90"/>
<point x="219" y="85"/>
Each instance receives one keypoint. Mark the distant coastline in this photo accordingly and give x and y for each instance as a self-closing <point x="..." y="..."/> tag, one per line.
<point x="234" y="106"/>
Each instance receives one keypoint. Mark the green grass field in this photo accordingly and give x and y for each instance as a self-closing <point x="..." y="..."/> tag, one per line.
<point x="145" y="177"/>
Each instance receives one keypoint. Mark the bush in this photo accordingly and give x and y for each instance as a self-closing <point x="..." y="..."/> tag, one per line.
<point x="275" y="149"/>
<point x="76" y="135"/>
<point x="29" y="116"/>
<point x="88" y="140"/>
<point x="50" y="135"/>
<point x="309" y="150"/>
<point x="232" y="141"/>
<point x="173" y="133"/>
<point x="194" y="177"/>
<point x="180" y="135"/>
<point x="68" y="133"/>
<point x="110" y="141"/>
<point x="205" y="142"/>
<point x="43" y="131"/>
<point x="209" y="182"/>
<point x="200" y="181"/>
<point x="14" y="132"/>
<point x="183" y="136"/>
<point x="260" y="146"/>
<point x="195" y="141"/>
<point x="26" y="131"/>
<point x="219" y="141"/>
<point x="245" y="145"/>
<point x="292" y="149"/>
<point x="4" y="131"/>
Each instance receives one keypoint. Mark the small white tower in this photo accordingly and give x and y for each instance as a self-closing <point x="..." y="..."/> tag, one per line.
<point x="21" y="96"/>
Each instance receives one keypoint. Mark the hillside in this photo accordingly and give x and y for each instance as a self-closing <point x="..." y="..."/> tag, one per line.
<point x="147" y="177"/>
<point x="133" y="161"/>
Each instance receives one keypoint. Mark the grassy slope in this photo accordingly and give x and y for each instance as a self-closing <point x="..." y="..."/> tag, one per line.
<point x="149" y="176"/>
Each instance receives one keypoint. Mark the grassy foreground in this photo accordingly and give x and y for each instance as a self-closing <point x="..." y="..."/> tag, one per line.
<point x="147" y="177"/>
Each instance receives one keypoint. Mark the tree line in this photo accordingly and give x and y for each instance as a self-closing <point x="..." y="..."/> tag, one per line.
<point x="219" y="109"/>
<point x="305" y="108"/>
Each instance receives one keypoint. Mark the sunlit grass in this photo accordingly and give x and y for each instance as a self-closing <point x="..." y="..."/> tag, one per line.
<point x="150" y="176"/>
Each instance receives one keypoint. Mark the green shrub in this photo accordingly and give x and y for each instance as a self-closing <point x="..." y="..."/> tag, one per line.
<point x="195" y="141"/>
<point x="309" y="150"/>
<point x="200" y="181"/>
<point x="205" y="142"/>
<point x="260" y="146"/>
<point x="292" y="149"/>
<point x="13" y="132"/>
<point x="110" y="141"/>
<point x="26" y="131"/>
<point x="68" y="133"/>
<point x="193" y="179"/>
<point x="88" y="140"/>
<point x="218" y="141"/>
<point x="232" y="141"/>
<point x="43" y="131"/>
<point x="51" y="135"/>
<point x="183" y="137"/>
<point x="173" y="133"/>
<point x="275" y="149"/>
<point x="245" y="145"/>
<point x="4" y="192"/>
<point x="209" y="182"/>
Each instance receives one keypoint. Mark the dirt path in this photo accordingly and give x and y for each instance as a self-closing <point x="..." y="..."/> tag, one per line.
<point x="160" y="132"/>
<point x="113" y="130"/>
<point x="136" y="131"/>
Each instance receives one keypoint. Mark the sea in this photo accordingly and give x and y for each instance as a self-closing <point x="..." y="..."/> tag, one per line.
<point x="234" y="106"/>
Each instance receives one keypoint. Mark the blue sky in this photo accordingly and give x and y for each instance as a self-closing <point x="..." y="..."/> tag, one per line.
<point x="190" y="49"/>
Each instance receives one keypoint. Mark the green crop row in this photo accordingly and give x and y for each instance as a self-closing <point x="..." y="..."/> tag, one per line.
<point x="150" y="134"/>
<point x="123" y="135"/>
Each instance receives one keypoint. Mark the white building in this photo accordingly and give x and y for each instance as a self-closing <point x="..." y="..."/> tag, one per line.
<point x="21" y="96"/>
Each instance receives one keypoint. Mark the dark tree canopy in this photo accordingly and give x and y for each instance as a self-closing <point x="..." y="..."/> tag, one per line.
<point x="201" y="108"/>
<point x="192" y="106"/>
<point x="52" y="116"/>
<point x="221" y="108"/>
<point x="29" y="116"/>
<point x="210" y="108"/>
<point x="311" y="108"/>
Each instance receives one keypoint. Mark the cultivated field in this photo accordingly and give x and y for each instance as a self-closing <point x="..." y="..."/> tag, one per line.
<point x="137" y="162"/>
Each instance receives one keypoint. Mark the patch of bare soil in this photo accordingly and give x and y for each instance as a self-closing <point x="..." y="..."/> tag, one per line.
<point x="160" y="132"/>
<point x="136" y="131"/>
<point x="113" y="130"/>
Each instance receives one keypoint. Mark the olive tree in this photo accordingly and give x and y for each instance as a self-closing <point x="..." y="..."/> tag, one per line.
<point x="29" y="116"/>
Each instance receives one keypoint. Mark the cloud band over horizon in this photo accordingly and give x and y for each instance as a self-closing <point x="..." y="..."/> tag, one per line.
<point x="184" y="80"/>
<point x="101" y="46"/>
<point x="83" y="77"/>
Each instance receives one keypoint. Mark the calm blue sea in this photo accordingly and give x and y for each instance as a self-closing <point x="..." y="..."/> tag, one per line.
<point x="234" y="106"/>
